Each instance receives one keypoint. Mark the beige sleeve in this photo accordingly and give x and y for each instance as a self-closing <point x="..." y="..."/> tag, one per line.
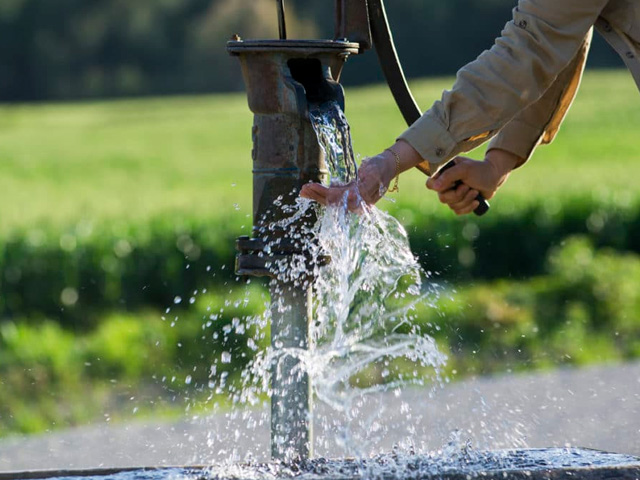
<point x="539" y="122"/>
<point x="533" y="50"/>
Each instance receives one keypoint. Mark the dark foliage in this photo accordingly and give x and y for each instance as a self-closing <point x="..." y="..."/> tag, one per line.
<point x="71" y="49"/>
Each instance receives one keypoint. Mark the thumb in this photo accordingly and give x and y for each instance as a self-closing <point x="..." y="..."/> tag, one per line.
<point x="448" y="175"/>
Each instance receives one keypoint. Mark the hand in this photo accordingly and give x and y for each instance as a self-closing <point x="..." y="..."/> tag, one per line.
<point x="346" y="194"/>
<point x="374" y="176"/>
<point x="477" y="177"/>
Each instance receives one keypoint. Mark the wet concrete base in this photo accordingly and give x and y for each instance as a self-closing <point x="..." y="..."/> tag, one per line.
<point x="466" y="464"/>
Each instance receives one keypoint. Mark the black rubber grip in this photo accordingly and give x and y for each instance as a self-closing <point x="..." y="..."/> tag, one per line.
<point x="484" y="205"/>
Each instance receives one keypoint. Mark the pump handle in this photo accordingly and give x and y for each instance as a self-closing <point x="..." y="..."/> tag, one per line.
<point x="483" y="206"/>
<point x="282" y="24"/>
<point x="392" y="69"/>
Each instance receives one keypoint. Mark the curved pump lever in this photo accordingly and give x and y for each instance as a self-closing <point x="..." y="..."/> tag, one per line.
<point x="282" y="25"/>
<point x="390" y="63"/>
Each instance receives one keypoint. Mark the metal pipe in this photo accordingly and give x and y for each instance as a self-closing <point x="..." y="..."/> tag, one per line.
<point x="282" y="25"/>
<point x="291" y="405"/>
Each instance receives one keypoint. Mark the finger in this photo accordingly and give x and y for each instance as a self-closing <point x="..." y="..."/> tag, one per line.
<point x="315" y="191"/>
<point x="468" y="209"/>
<point x="469" y="197"/>
<point x="443" y="181"/>
<point x="454" y="196"/>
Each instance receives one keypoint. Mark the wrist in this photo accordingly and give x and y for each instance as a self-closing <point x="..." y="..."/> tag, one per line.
<point x="503" y="161"/>
<point x="409" y="156"/>
<point x="391" y="168"/>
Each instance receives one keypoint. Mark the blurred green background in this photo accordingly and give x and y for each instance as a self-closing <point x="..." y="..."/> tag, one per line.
<point x="94" y="48"/>
<point x="120" y="215"/>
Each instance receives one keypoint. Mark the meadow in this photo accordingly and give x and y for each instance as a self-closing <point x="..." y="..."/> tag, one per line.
<point x="131" y="160"/>
<point x="113" y="209"/>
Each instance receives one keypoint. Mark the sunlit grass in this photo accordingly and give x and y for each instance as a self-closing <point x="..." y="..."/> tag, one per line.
<point x="180" y="158"/>
<point x="136" y="159"/>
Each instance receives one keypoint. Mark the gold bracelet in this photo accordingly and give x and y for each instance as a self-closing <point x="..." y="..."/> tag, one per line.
<point x="396" y="172"/>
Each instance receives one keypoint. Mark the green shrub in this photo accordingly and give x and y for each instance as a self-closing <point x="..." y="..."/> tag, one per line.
<point x="129" y="347"/>
<point x="77" y="275"/>
<point x="586" y="309"/>
<point x="47" y="353"/>
<point x="515" y="243"/>
<point x="54" y="376"/>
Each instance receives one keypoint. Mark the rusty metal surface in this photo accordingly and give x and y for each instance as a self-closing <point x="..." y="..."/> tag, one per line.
<point x="334" y="54"/>
<point x="352" y="22"/>
<point x="294" y="47"/>
<point x="282" y="78"/>
<point x="252" y="259"/>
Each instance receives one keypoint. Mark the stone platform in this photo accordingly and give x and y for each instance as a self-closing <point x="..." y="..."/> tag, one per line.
<point x="524" y="464"/>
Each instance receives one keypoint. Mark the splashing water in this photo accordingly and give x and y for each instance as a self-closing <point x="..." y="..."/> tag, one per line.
<point x="365" y="340"/>
<point x="365" y="343"/>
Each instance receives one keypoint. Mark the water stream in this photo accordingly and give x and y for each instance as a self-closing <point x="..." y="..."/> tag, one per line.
<point x="365" y="342"/>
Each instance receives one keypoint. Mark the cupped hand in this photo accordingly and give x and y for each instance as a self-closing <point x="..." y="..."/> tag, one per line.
<point x="483" y="177"/>
<point x="374" y="176"/>
<point x="335" y="195"/>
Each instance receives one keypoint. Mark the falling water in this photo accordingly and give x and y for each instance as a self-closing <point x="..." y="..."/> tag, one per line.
<point x="366" y="339"/>
<point x="365" y="343"/>
<point x="334" y="137"/>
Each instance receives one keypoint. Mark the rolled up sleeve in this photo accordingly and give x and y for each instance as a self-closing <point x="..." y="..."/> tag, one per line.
<point x="535" y="48"/>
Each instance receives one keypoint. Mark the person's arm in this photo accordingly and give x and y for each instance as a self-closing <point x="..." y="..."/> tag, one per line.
<point x="534" y="48"/>
<point x="539" y="123"/>
<point x="374" y="176"/>
<point x="514" y="144"/>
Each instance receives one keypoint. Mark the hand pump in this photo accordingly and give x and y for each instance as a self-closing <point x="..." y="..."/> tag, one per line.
<point x="283" y="77"/>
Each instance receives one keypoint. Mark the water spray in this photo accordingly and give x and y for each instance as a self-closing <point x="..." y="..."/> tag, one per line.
<point x="284" y="79"/>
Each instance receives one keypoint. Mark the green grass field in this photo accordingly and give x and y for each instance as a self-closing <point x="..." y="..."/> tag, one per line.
<point x="118" y="179"/>
<point x="190" y="156"/>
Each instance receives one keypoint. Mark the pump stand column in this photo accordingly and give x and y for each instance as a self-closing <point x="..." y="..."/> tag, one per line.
<point x="282" y="78"/>
<point x="291" y="405"/>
